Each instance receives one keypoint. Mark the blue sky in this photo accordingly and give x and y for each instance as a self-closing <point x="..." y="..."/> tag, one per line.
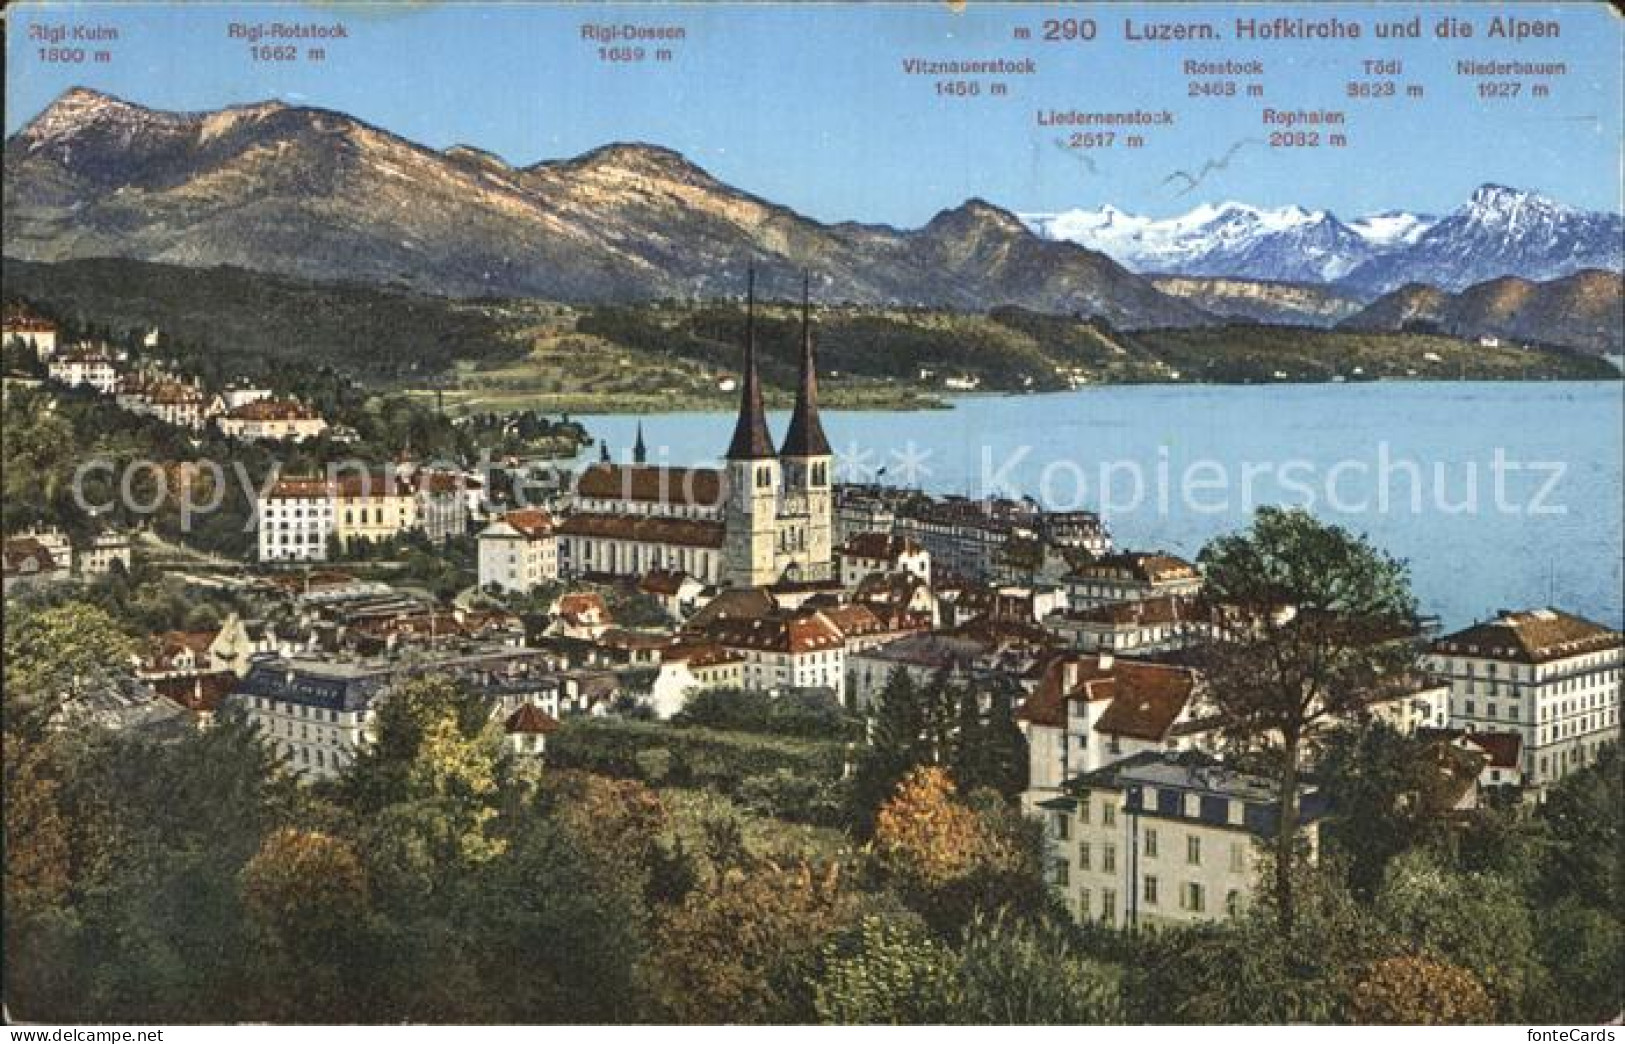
<point x="810" y="107"/>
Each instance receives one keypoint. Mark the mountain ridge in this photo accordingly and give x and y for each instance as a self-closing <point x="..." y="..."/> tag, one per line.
<point x="315" y="193"/>
<point x="1498" y="231"/>
<point x="1580" y="311"/>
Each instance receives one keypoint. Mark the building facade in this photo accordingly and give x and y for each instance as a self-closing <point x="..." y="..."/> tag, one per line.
<point x="266" y="418"/>
<point x="518" y="552"/>
<point x="1549" y="677"/>
<point x="766" y="517"/>
<point x="295" y="520"/>
<point x="1165" y="839"/>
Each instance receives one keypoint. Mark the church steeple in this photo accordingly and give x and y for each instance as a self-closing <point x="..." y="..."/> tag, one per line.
<point x="640" y="453"/>
<point x="805" y="437"/>
<point x="751" y="440"/>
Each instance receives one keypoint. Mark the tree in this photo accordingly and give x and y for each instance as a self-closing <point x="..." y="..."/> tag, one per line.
<point x="38" y="869"/>
<point x="1022" y="973"/>
<point x="1585" y="815"/>
<point x="924" y="835"/>
<point x="306" y="896"/>
<point x="1479" y="922"/>
<point x="1418" y="991"/>
<point x="57" y="655"/>
<point x="426" y="787"/>
<point x="1583" y="948"/>
<point x="897" y="744"/>
<point x="1389" y="792"/>
<point x="744" y="947"/>
<point x="616" y="825"/>
<point x="1316" y="621"/>
<point x="553" y="938"/>
<point x="1005" y="747"/>
<point x="891" y="972"/>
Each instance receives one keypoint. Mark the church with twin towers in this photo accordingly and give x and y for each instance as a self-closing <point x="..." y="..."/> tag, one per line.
<point x="766" y="517"/>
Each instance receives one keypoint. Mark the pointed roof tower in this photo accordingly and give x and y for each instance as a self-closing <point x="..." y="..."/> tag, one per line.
<point x="806" y="435"/>
<point x="751" y="440"/>
<point x="640" y="453"/>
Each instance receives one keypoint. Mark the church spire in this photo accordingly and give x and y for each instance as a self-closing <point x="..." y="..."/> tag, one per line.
<point x="806" y="435"/>
<point x="640" y="453"/>
<point x="751" y="440"/>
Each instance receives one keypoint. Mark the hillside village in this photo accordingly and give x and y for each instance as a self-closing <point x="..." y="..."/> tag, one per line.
<point x="623" y="624"/>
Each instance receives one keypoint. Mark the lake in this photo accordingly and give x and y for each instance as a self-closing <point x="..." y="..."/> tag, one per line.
<point x="1497" y="494"/>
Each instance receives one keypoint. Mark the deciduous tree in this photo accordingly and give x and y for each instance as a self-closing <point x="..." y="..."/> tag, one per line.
<point x="1317" y="619"/>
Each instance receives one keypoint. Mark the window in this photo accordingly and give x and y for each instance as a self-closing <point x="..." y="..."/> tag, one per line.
<point x="1238" y="857"/>
<point x="1063" y="826"/>
<point x="1083" y="855"/>
<point x="1150" y="891"/>
<point x="1108" y="905"/>
<point x="1193" y="850"/>
<point x="1083" y="810"/>
<point x="1108" y="858"/>
<point x="1232" y="902"/>
<point x="1108" y="815"/>
<point x="1151" y="844"/>
<point x="1193" y="898"/>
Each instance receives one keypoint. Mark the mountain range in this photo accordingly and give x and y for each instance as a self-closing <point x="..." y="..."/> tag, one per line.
<point x="1497" y="232"/>
<point x="313" y="193"/>
<point x="1575" y="311"/>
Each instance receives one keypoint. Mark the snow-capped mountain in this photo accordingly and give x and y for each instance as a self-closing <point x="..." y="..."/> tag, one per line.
<point x="1237" y="240"/>
<point x="1498" y="232"/>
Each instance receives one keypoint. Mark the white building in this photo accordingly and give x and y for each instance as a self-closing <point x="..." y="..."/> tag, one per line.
<point x="295" y="520"/>
<point x="1160" y="623"/>
<point x="35" y="331"/>
<point x="1130" y="576"/>
<point x="1550" y="677"/>
<point x="693" y="667"/>
<point x="519" y="551"/>
<point x="1163" y="838"/>
<point x="84" y="369"/>
<point x="786" y="649"/>
<point x="526" y="730"/>
<point x="315" y="716"/>
<point x="104" y="550"/>
<point x="633" y="545"/>
<point x="868" y="553"/>
<point x="1088" y="712"/>
<point x="265" y="418"/>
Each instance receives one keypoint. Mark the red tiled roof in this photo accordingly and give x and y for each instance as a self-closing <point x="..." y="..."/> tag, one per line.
<point x="683" y="532"/>
<point x="736" y="603"/>
<point x="701" y="654"/>
<point x="198" y="693"/>
<point x="853" y="620"/>
<point x="1537" y="636"/>
<point x="1152" y="568"/>
<point x="1146" y="698"/>
<point x="781" y="632"/>
<point x="273" y="410"/>
<point x="662" y="582"/>
<point x="650" y="484"/>
<point x="23" y="550"/>
<point x="530" y="719"/>
<point x="530" y="522"/>
<point x="577" y="606"/>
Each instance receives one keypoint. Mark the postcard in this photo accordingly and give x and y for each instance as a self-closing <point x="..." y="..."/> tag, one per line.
<point x="739" y="513"/>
